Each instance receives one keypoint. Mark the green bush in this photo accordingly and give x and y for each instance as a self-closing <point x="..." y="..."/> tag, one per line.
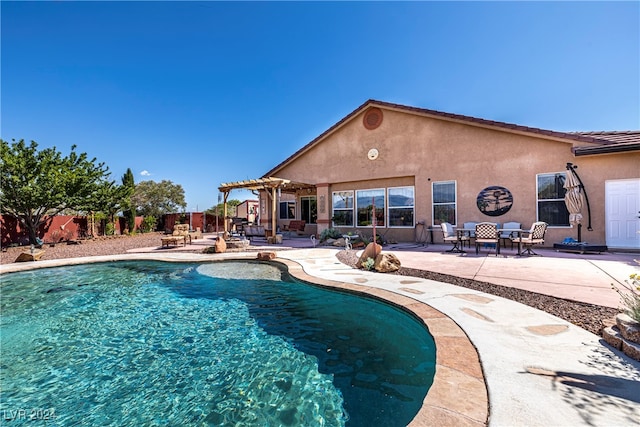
<point x="330" y="233"/>
<point x="148" y="224"/>
<point x="369" y="264"/>
<point x="110" y="229"/>
<point x="630" y="296"/>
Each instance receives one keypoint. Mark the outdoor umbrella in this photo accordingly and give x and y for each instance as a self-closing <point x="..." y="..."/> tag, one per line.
<point x="573" y="200"/>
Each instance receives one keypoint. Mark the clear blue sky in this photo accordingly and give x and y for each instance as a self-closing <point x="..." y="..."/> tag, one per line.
<point x="201" y="93"/>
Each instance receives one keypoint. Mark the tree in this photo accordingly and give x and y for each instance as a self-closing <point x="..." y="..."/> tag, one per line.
<point x="156" y="199"/>
<point x="38" y="184"/>
<point x="106" y="202"/>
<point x="129" y="211"/>
<point x="219" y="208"/>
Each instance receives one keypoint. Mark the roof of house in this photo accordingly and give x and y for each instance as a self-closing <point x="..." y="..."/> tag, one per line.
<point x="622" y="141"/>
<point x="606" y="141"/>
<point x="614" y="136"/>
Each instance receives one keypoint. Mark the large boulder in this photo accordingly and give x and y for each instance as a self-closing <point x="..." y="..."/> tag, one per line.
<point x="266" y="256"/>
<point x="29" y="256"/>
<point x="387" y="263"/>
<point x="220" y="246"/>
<point x="371" y="251"/>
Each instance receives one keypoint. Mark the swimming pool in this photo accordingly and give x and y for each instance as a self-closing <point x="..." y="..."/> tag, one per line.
<point x="232" y="343"/>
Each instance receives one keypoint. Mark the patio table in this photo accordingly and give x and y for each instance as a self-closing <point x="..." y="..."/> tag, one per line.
<point x="462" y="232"/>
<point x="518" y="232"/>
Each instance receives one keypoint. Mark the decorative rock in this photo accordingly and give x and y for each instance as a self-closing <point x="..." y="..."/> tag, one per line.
<point x="29" y="256"/>
<point x="387" y="263"/>
<point x="631" y="349"/>
<point x="612" y="337"/>
<point x="339" y="242"/>
<point x="629" y="328"/>
<point x="266" y="256"/>
<point x="220" y="246"/>
<point x="607" y="323"/>
<point x="237" y="244"/>
<point x="371" y="251"/>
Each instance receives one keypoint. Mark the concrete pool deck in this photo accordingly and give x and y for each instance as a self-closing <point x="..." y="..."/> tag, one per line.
<point x="579" y="277"/>
<point x="536" y="369"/>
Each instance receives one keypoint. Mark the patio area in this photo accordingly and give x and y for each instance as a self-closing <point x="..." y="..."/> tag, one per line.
<point x="578" y="277"/>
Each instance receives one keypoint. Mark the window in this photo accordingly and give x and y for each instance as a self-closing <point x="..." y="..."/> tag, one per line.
<point x="342" y="203"/>
<point x="308" y="209"/>
<point x="365" y="202"/>
<point x="287" y="210"/>
<point x="401" y="206"/>
<point x="444" y="202"/>
<point x="551" y="206"/>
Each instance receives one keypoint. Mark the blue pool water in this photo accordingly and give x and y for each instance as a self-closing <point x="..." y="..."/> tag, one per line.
<point x="233" y="343"/>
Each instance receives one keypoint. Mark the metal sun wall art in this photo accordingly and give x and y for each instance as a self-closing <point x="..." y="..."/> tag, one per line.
<point x="494" y="201"/>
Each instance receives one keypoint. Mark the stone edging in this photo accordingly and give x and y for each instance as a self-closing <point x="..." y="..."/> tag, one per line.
<point x="624" y="335"/>
<point x="458" y="395"/>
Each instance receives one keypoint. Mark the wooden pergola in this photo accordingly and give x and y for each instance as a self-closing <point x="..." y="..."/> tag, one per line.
<point x="270" y="185"/>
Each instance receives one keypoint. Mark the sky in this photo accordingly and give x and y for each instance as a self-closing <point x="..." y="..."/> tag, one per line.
<point x="204" y="93"/>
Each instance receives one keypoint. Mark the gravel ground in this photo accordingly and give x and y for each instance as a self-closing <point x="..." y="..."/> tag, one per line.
<point x="93" y="247"/>
<point x="587" y="316"/>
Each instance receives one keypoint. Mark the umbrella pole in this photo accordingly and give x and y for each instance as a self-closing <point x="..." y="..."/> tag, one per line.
<point x="579" y="232"/>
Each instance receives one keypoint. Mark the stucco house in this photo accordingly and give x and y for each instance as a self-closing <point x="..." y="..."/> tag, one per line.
<point x="248" y="210"/>
<point x="421" y="167"/>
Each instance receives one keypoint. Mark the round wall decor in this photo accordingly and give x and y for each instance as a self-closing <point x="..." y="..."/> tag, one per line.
<point x="372" y="118"/>
<point x="494" y="201"/>
<point x="372" y="154"/>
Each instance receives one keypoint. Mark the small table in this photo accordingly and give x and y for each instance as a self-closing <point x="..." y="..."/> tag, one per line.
<point x="166" y="241"/>
<point x="518" y="232"/>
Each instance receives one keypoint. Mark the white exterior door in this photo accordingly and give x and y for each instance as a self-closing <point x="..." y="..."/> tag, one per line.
<point x="622" y="213"/>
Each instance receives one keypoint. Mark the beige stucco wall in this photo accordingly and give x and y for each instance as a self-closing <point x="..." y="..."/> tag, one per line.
<point x="419" y="150"/>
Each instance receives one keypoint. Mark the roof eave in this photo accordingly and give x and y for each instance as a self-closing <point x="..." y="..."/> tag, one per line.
<point x="608" y="149"/>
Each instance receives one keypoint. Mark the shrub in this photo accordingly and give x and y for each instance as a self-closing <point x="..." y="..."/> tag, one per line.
<point x="110" y="229"/>
<point x="369" y="264"/>
<point x="630" y="296"/>
<point x="148" y="224"/>
<point x="330" y="233"/>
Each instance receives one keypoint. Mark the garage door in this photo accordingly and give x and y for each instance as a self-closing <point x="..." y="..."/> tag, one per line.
<point x="623" y="213"/>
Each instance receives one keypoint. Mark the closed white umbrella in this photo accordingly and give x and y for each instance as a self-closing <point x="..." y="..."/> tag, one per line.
<point x="573" y="199"/>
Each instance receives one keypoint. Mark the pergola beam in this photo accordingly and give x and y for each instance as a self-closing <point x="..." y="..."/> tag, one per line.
<point x="265" y="183"/>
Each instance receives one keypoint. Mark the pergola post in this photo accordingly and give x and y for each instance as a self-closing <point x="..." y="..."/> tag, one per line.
<point x="273" y="211"/>
<point x="224" y="213"/>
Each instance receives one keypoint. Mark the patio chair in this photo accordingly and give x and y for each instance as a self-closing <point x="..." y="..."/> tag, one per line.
<point x="507" y="235"/>
<point x="487" y="233"/>
<point x="450" y="235"/>
<point x="470" y="226"/>
<point x="535" y="236"/>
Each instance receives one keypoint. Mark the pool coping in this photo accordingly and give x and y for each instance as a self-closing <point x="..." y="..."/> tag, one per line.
<point x="458" y="395"/>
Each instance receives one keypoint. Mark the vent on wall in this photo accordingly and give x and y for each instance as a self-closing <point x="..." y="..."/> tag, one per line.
<point x="372" y="118"/>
